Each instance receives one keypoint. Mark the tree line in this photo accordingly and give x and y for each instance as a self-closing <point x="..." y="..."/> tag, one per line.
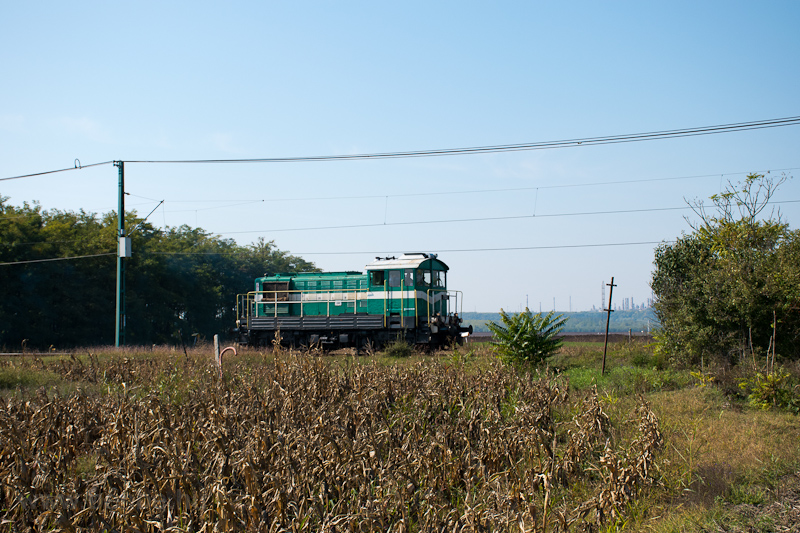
<point x="728" y="290"/>
<point x="180" y="281"/>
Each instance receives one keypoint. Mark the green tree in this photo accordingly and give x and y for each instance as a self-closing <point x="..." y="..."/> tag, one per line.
<point x="527" y="337"/>
<point x="721" y="288"/>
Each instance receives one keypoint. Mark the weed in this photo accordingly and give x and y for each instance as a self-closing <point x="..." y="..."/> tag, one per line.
<point x="774" y="389"/>
<point x="24" y="376"/>
<point x="463" y="359"/>
<point x="398" y="349"/>
<point x="703" y="378"/>
<point x="747" y="494"/>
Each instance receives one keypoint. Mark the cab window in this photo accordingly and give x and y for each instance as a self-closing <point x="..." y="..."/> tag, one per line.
<point x="376" y="277"/>
<point x="394" y="278"/>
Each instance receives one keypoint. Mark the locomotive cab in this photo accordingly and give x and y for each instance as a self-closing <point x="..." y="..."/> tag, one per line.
<point x="413" y="290"/>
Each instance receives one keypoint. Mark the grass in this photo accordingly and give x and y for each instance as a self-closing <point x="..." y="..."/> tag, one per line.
<point x="630" y="368"/>
<point x="721" y="455"/>
<point x="12" y="377"/>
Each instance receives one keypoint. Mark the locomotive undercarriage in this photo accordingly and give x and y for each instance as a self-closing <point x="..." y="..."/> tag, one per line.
<point x="363" y="332"/>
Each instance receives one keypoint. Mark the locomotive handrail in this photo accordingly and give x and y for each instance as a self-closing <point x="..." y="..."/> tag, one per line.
<point x="432" y="293"/>
<point x="248" y="300"/>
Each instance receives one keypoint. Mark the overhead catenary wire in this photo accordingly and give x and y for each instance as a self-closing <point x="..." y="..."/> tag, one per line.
<point x="439" y="250"/>
<point x="450" y="193"/>
<point x="479" y="219"/>
<point x="503" y="249"/>
<point x="442" y="221"/>
<point x="240" y="202"/>
<point x="459" y="250"/>
<point x="449" y="221"/>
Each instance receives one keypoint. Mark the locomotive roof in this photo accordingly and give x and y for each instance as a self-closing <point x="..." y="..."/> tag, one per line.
<point x="294" y="275"/>
<point x="411" y="260"/>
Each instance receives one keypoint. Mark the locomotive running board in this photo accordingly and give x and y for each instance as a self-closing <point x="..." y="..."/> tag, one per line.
<point x="311" y="323"/>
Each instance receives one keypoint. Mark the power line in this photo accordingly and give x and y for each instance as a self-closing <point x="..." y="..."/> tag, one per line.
<point x="77" y="166"/>
<point x="10" y="244"/>
<point x="56" y="259"/>
<point x="545" y="145"/>
<point x="568" y="143"/>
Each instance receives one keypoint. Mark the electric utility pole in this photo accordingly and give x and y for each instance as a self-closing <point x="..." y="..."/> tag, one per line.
<point x="608" y="319"/>
<point x="124" y="250"/>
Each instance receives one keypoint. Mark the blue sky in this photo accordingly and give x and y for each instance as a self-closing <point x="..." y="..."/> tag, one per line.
<point x="101" y="81"/>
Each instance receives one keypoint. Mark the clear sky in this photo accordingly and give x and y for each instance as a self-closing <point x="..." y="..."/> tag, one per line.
<point x="101" y="81"/>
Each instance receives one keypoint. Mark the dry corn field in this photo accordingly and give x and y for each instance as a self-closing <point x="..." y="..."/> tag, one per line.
<point x="295" y="443"/>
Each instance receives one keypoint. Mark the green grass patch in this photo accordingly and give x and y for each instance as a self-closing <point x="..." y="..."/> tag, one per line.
<point x="14" y="377"/>
<point x="627" y="380"/>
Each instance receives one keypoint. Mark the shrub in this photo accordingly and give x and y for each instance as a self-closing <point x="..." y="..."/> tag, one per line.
<point x="399" y="348"/>
<point x="525" y="337"/>
<point x="724" y="289"/>
<point x="772" y="389"/>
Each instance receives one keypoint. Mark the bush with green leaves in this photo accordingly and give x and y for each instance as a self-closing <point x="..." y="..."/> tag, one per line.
<point x="399" y="348"/>
<point x="527" y="337"/>
<point x="776" y="389"/>
<point x="732" y="286"/>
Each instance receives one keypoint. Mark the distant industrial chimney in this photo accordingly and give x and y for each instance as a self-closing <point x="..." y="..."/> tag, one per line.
<point x="602" y="295"/>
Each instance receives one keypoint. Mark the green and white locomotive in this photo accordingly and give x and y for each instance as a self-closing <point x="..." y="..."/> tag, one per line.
<point x="402" y="297"/>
